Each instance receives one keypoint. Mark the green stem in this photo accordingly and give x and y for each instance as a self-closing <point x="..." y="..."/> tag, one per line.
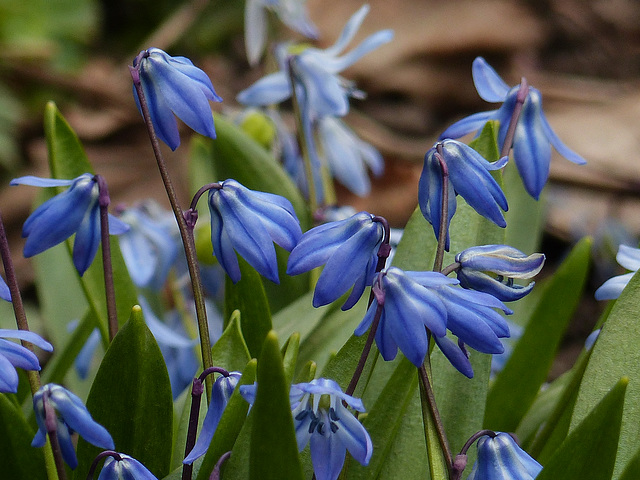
<point x="185" y="232"/>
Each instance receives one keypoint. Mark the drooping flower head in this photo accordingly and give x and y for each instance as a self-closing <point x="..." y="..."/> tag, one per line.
<point x="468" y="176"/>
<point x="249" y="222"/>
<point x="14" y="355"/>
<point x="124" y="467"/>
<point x="321" y="420"/>
<point x="501" y="458"/>
<point x="220" y="395"/>
<point x="348" y="250"/>
<point x="629" y="258"/>
<point x="492" y="268"/>
<point x="76" y="210"/>
<point x="174" y="85"/>
<point x="71" y="416"/>
<point x="533" y="135"/>
<point x="293" y="14"/>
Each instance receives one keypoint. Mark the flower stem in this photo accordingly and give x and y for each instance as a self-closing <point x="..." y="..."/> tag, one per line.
<point x="100" y="456"/>
<point x="444" y="213"/>
<point x="460" y="462"/>
<point x="51" y="421"/>
<point x="215" y="475"/>
<point x="109" y="289"/>
<point x="185" y="232"/>
<point x="517" y="109"/>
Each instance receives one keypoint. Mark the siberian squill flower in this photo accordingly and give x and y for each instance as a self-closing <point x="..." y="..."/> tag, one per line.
<point x="533" y="135"/>
<point x="348" y="156"/>
<point x="5" y="293"/>
<point x="149" y="248"/>
<point x="492" y="268"/>
<point x="124" y="468"/>
<point x="293" y="14"/>
<point x="348" y="249"/>
<point x="174" y="85"/>
<point x="220" y="395"/>
<point x="13" y="355"/>
<point x="249" y="222"/>
<point x="629" y="258"/>
<point x="500" y="458"/>
<point x="76" y="210"/>
<point x="321" y="419"/>
<point x="71" y="416"/>
<point x="468" y="176"/>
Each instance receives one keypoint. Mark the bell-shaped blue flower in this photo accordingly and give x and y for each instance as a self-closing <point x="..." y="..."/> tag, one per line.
<point x="71" y="416"/>
<point x="468" y="176"/>
<point x="348" y="250"/>
<point x="124" y="468"/>
<point x="76" y="210"/>
<point x="629" y="258"/>
<point x="249" y="222"/>
<point x="13" y="355"/>
<point x="328" y="427"/>
<point x="500" y="458"/>
<point x="293" y="14"/>
<point x="174" y="85"/>
<point x="533" y="135"/>
<point x="220" y="395"/>
<point x="492" y="268"/>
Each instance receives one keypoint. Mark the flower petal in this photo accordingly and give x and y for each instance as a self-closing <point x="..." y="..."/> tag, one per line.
<point x="488" y="83"/>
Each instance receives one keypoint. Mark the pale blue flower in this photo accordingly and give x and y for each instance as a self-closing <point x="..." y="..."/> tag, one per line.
<point x="174" y="85"/>
<point x="249" y="222"/>
<point x="220" y="395"/>
<point x="76" y="210"/>
<point x="533" y="135"/>
<point x="492" y="268"/>
<point x="71" y="416"/>
<point x="348" y="249"/>
<point x="469" y="177"/>
<point x="126" y="468"/>
<point x="629" y="258"/>
<point x="500" y="458"/>
<point x="14" y="355"/>
<point x="329" y="428"/>
<point x="293" y="13"/>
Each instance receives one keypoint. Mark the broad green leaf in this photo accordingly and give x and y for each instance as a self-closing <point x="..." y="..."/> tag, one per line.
<point x="274" y="451"/>
<point x="249" y="297"/>
<point x="342" y="366"/>
<point x="230" y="425"/>
<point x="290" y="356"/>
<point x="131" y="397"/>
<point x="19" y="459"/>
<point x="230" y="350"/>
<point x="516" y="387"/>
<point x="616" y="354"/>
<point x="632" y="470"/>
<point x="589" y="452"/>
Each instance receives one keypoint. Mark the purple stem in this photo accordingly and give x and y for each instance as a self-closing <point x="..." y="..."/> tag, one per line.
<point x="50" y="422"/>
<point x="100" y="456"/>
<point x="517" y="109"/>
<point x="215" y="475"/>
<point x="444" y="213"/>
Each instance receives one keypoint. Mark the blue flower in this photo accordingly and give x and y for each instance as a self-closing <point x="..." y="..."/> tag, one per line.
<point x="348" y="156"/>
<point x="220" y="395"/>
<point x="329" y="427"/>
<point x="293" y="13"/>
<point x="149" y="248"/>
<point x="174" y="85"/>
<point x="468" y="176"/>
<point x="5" y="293"/>
<point x="500" y="458"/>
<point x="13" y="355"/>
<point x="348" y="250"/>
<point x="505" y="263"/>
<point x="71" y="416"/>
<point x="249" y="222"/>
<point x="629" y="258"/>
<point x="124" y="468"/>
<point x="533" y="135"/>
<point x="76" y="210"/>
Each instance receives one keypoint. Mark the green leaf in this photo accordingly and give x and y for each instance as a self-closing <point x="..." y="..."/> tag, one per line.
<point x="19" y="459"/>
<point x="589" y="452"/>
<point x="515" y="388"/>
<point x="616" y="354"/>
<point x="131" y="397"/>
<point x="249" y="297"/>
<point x="230" y="350"/>
<point x="290" y="356"/>
<point x="274" y="450"/>
<point x="632" y="470"/>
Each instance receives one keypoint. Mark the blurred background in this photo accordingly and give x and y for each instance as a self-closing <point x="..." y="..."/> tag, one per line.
<point x="583" y="55"/>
